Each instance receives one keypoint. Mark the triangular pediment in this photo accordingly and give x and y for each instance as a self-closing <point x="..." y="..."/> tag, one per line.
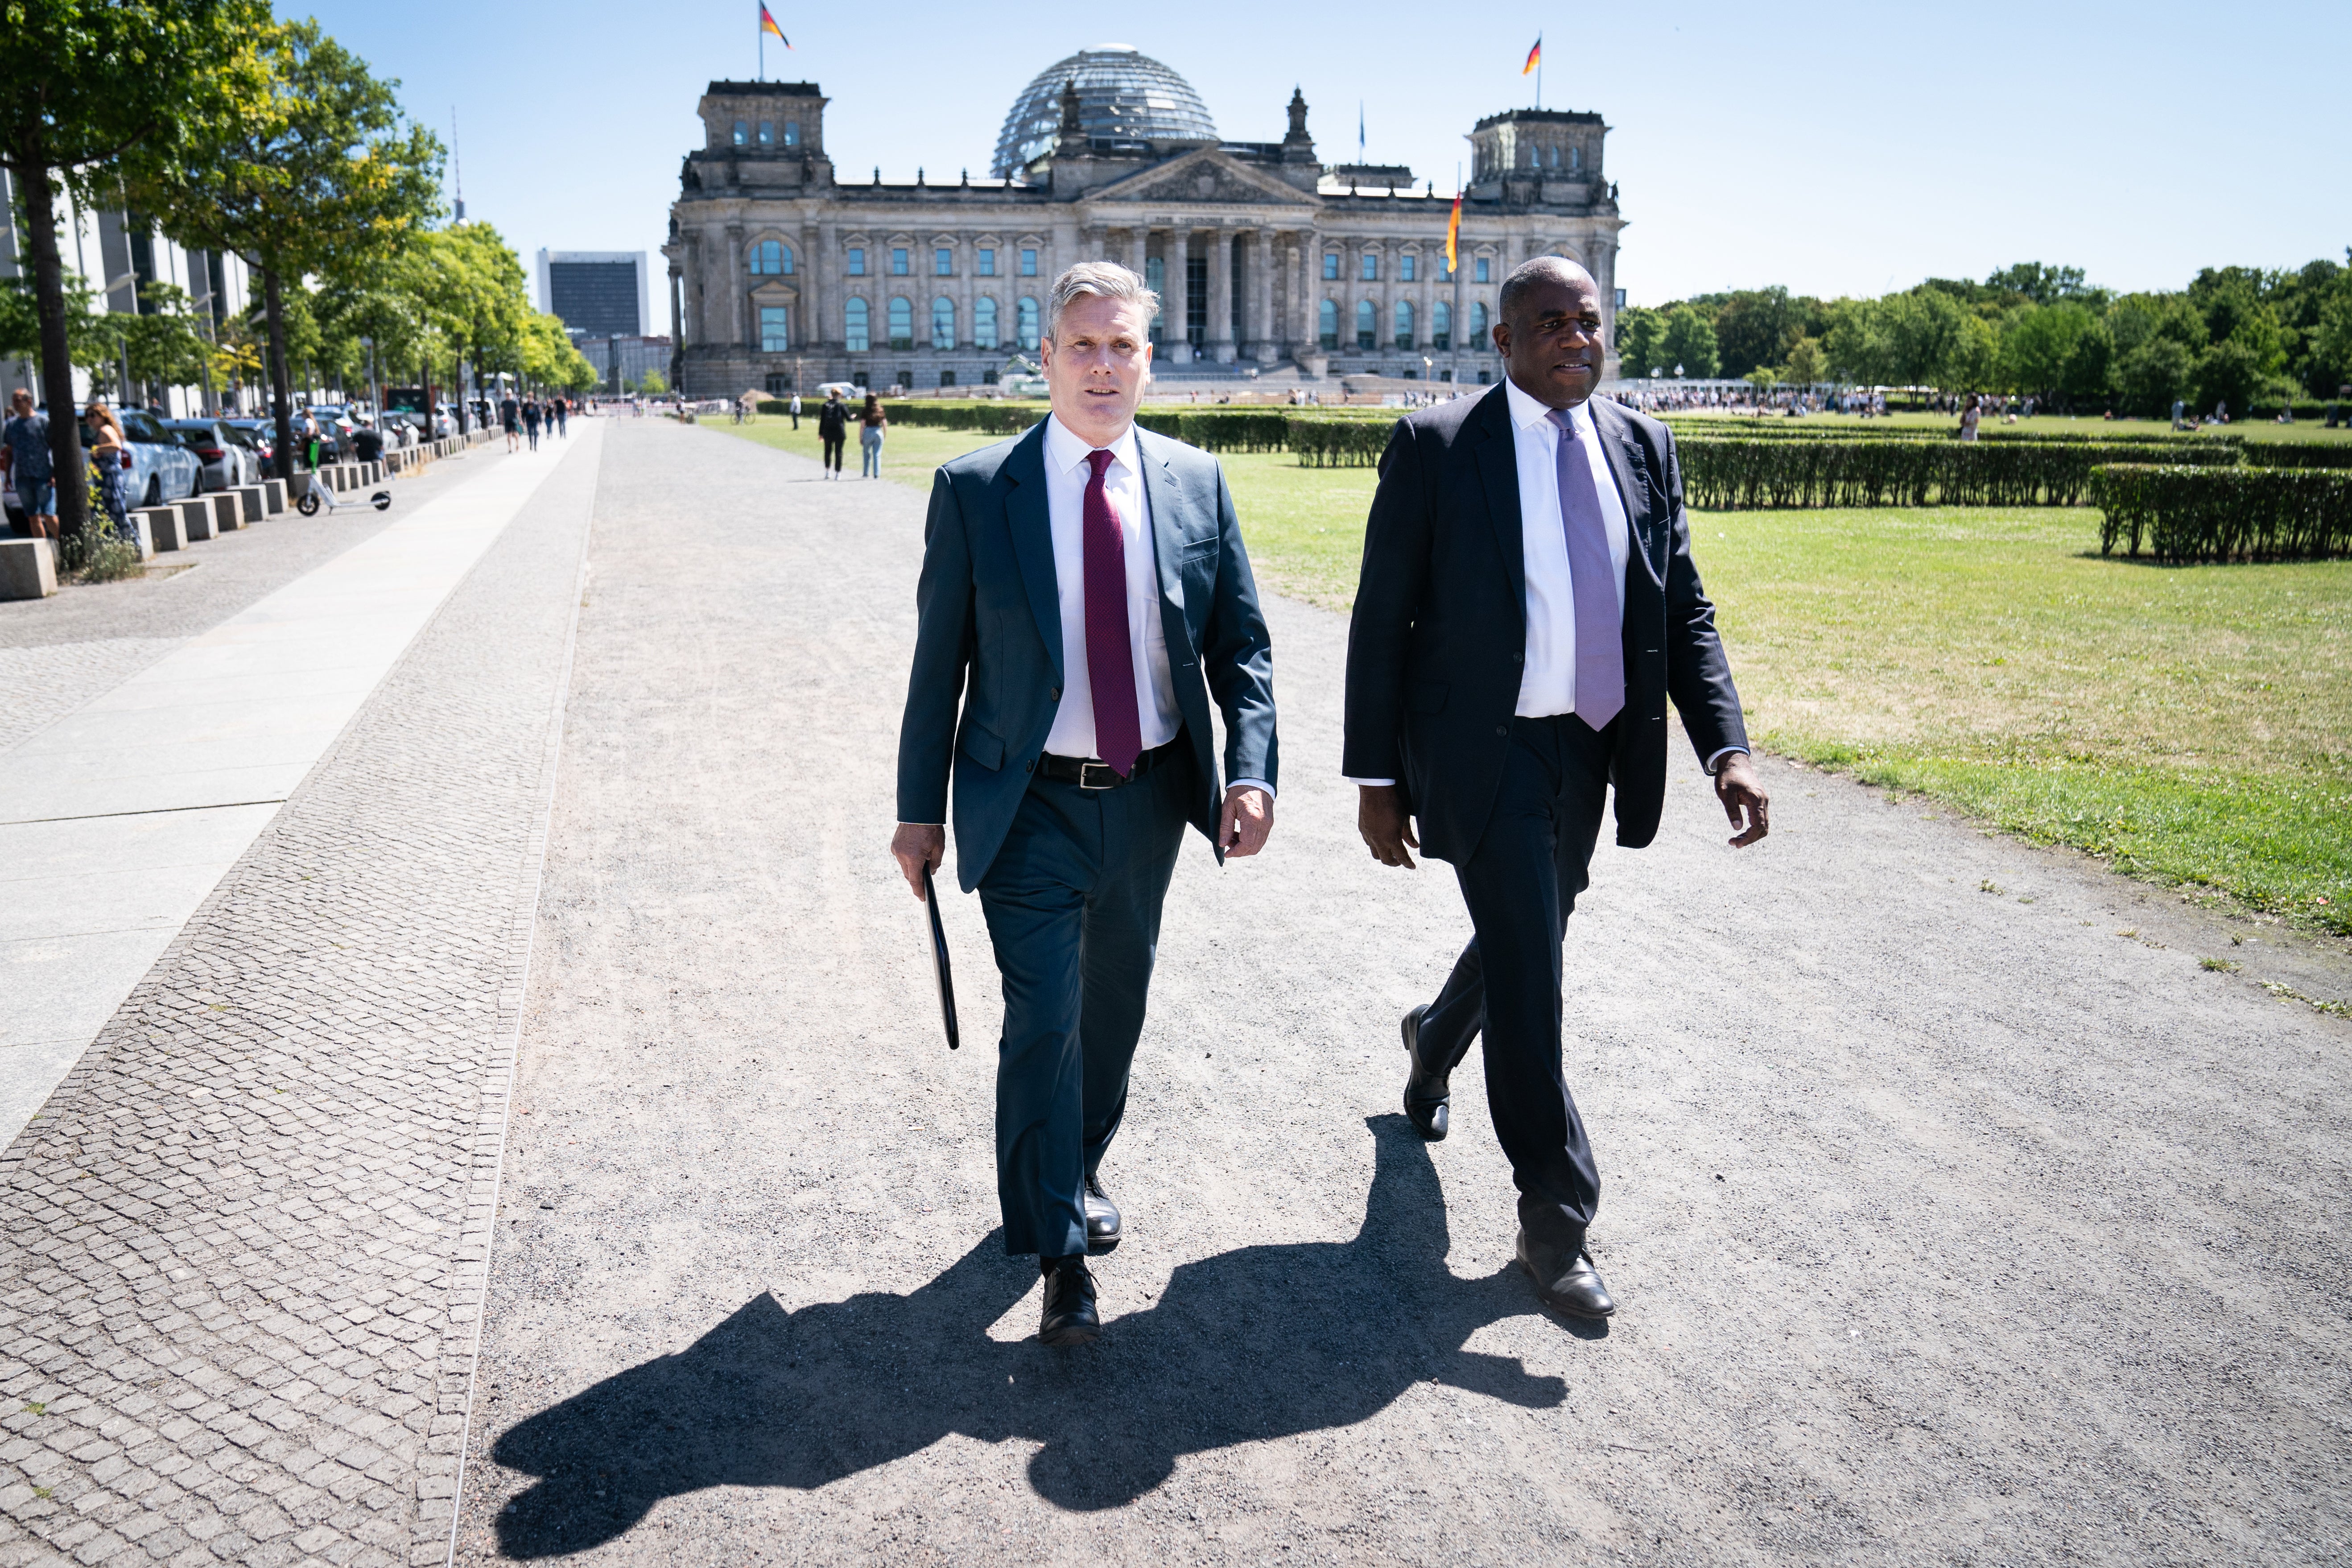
<point x="1207" y="176"/>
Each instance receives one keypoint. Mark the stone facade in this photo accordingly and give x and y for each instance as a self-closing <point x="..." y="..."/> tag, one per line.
<point x="783" y="274"/>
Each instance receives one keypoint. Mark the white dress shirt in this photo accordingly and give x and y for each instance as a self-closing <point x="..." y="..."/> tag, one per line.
<point x="1067" y="473"/>
<point x="1548" y="676"/>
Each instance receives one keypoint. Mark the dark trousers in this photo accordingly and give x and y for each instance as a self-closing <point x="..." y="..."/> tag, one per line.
<point x="1073" y="907"/>
<point x="831" y="457"/>
<point x="1520" y="884"/>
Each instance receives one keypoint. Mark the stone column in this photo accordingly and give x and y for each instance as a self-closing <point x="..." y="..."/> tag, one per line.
<point x="1178" y="330"/>
<point x="1308" y="278"/>
<point x="1136" y="239"/>
<point x="739" y="305"/>
<point x="808" y="281"/>
<point x="1223" y="328"/>
<point x="1262" y="326"/>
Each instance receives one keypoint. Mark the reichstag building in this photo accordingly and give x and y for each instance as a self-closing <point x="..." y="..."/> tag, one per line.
<point x="784" y="271"/>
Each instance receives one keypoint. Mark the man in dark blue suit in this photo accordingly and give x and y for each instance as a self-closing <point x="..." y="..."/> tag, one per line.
<point x="1526" y="607"/>
<point x="1084" y="598"/>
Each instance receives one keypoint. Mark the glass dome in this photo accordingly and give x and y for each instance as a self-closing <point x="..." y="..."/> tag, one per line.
<point x="1122" y="92"/>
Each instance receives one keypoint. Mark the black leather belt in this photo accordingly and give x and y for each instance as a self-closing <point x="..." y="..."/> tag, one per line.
<point x="1087" y="773"/>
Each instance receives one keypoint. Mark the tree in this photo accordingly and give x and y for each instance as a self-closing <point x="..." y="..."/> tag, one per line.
<point x="653" y="383"/>
<point x="1689" y="343"/>
<point x="2331" y="348"/>
<point x="1808" y="364"/>
<point x="1640" y="341"/>
<point x="2149" y="377"/>
<point x="2043" y="285"/>
<point x="317" y="173"/>
<point x="1758" y="327"/>
<point x="2037" y="343"/>
<point x="96" y="90"/>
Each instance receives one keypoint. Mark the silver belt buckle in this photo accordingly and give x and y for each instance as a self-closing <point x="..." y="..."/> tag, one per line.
<point x="1088" y="772"/>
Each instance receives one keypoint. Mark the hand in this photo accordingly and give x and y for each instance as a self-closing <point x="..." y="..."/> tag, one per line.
<point x="1736" y="785"/>
<point x="1248" y="818"/>
<point x="919" y="848"/>
<point x="1380" y="819"/>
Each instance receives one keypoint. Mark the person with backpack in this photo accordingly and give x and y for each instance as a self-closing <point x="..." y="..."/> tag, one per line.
<point x="833" y="433"/>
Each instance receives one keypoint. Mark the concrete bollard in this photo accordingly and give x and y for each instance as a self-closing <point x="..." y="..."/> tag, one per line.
<point x="273" y="496"/>
<point x="195" y="519"/>
<point x="254" y="505"/>
<point x="297" y="487"/>
<point x="164" y="528"/>
<point x="140" y="535"/>
<point x="28" y="569"/>
<point x="228" y="513"/>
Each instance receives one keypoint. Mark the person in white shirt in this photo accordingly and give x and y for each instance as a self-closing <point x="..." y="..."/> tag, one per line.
<point x="1085" y="600"/>
<point x="1527" y="607"/>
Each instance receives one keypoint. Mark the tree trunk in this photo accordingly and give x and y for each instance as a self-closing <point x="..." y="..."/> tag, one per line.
<point x="57" y="362"/>
<point x="274" y="305"/>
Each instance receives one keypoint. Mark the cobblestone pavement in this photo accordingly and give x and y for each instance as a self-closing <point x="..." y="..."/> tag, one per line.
<point x="241" y="1251"/>
<point x="1957" y="1214"/>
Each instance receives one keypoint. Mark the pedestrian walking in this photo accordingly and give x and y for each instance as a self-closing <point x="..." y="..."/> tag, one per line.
<point x="831" y="434"/>
<point x="796" y="410"/>
<point x="530" y="422"/>
<point x="511" y="421"/>
<point x="1501" y="733"/>
<point x="1970" y="417"/>
<point x="872" y="425"/>
<point x="24" y="449"/>
<point x="563" y="407"/>
<point x="1067" y="697"/>
<point x="110" y="454"/>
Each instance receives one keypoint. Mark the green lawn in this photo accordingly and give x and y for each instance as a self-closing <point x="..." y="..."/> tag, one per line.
<point x="2191" y="724"/>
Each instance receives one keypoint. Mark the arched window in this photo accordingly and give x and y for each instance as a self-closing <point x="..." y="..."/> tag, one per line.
<point x="1327" y="323"/>
<point x="767" y="134"/>
<point x="771" y="258"/>
<point x="984" y="322"/>
<point x="902" y="324"/>
<point x="1575" y="158"/>
<point x="1441" y="325"/>
<point x="775" y="330"/>
<point x="943" y="324"/>
<point x="1026" y="314"/>
<point x="792" y="133"/>
<point x="1367" y="325"/>
<point x="1478" y="326"/>
<point x="1404" y="323"/>
<point x="853" y="320"/>
<point x="742" y="133"/>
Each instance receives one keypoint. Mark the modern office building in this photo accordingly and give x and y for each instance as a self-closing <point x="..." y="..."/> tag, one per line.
<point x="623" y="361"/>
<point x="786" y="269"/>
<point x="598" y="293"/>
<point x="123" y="260"/>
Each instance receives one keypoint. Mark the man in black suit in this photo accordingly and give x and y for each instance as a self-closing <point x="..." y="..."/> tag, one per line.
<point x="1526" y="607"/>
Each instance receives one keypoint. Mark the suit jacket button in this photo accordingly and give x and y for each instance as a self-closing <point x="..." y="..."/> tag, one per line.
<point x="1054" y="695"/>
<point x="1030" y="766"/>
<point x="1502" y="728"/>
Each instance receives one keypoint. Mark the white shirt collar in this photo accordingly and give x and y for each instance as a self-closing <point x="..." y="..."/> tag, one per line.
<point x="1065" y="449"/>
<point x="1526" y="411"/>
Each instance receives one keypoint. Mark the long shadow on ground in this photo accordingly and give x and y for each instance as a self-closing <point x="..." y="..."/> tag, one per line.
<point x="1261" y="1343"/>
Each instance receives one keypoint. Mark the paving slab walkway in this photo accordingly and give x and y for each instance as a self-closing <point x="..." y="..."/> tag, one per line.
<point x="1952" y="1225"/>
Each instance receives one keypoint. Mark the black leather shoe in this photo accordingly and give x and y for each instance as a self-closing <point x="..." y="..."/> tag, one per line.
<point x="1425" y="1091"/>
<point x="1566" y="1280"/>
<point x="1070" y="1318"/>
<point x="1102" y="1218"/>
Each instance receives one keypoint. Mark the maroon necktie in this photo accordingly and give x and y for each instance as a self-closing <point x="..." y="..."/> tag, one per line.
<point x="1110" y="655"/>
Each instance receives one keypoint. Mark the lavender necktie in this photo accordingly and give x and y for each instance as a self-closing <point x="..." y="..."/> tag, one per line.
<point x="1110" y="651"/>
<point x="1593" y="580"/>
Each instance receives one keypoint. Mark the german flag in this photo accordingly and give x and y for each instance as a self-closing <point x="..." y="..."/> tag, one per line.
<point x="1535" y="57"/>
<point x="1454" y="237"/>
<point x="768" y="25"/>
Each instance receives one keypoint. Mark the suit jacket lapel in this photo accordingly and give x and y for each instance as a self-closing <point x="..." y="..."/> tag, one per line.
<point x="1160" y="510"/>
<point x="1632" y="471"/>
<point x="1498" y="474"/>
<point x="1030" y="520"/>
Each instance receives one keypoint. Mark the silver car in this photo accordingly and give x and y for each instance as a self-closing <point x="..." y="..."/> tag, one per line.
<point x="227" y="458"/>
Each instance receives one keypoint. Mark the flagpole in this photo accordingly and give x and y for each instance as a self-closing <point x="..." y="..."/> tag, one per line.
<point x="1538" y="71"/>
<point x="764" y="43"/>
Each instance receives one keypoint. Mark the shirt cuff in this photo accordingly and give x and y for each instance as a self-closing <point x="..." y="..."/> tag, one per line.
<point x="1376" y="783"/>
<point x="1251" y="784"/>
<point x="1716" y="762"/>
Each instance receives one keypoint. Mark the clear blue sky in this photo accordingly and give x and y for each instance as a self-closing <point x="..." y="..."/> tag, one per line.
<point x="1833" y="148"/>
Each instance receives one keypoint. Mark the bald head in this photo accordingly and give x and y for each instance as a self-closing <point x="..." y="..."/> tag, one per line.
<point x="1527" y="275"/>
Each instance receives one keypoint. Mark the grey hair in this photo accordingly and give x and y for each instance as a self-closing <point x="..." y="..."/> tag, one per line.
<point x="1106" y="278"/>
<point x="1538" y="270"/>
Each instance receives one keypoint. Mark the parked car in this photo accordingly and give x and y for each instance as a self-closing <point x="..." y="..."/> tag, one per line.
<point x="228" y="462"/>
<point x="163" y="468"/>
<point x="262" y="436"/>
<point x="335" y="427"/>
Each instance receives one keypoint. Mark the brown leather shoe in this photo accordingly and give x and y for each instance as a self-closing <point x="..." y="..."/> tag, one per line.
<point x="1069" y="1318"/>
<point x="1565" y="1279"/>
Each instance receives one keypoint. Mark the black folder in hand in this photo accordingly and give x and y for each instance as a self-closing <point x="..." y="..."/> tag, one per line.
<point x="940" y="963"/>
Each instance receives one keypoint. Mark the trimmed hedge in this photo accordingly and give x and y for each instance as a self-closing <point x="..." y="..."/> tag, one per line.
<point x="989" y="417"/>
<point x="2300" y="455"/>
<point x="1219" y="429"/>
<point x="2190" y="514"/>
<point x="1736" y="475"/>
<point x="1336" y="441"/>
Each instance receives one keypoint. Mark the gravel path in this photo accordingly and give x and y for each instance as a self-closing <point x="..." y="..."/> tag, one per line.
<point x="1949" y="1223"/>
